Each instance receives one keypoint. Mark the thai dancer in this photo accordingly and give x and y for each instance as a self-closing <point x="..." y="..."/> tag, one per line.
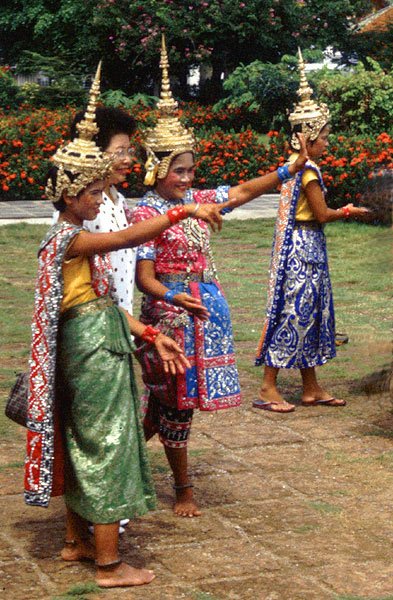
<point x="182" y="295"/>
<point x="299" y="330"/>
<point x="84" y="434"/>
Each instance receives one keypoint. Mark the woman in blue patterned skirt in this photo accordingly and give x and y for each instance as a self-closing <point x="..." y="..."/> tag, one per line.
<point x="299" y="330"/>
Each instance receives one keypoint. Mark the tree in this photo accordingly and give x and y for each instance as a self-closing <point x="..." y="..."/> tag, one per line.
<point x="360" y="102"/>
<point x="220" y="34"/>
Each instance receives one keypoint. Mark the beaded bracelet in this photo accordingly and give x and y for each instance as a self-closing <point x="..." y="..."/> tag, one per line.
<point x="346" y="211"/>
<point x="149" y="334"/>
<point x="169" y="295"/>
<point x="176" y="214"/>
<point x="283" y="173"/>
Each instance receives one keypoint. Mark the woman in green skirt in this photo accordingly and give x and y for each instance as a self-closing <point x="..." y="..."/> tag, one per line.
<point x="84" y="435"/>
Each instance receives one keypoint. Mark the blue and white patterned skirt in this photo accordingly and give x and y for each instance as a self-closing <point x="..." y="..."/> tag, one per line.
<point x="304" y="336"/>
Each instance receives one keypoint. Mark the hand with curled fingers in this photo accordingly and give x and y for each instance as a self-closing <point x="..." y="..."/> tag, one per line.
<point x="210" y="213"/>
<point x="357" y="211"/>
<point x="171" y="354"/>
<point x="192" y="305"/>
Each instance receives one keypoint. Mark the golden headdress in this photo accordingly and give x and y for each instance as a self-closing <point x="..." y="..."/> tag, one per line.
<point x="169" y="135"/>
<point x="307" y="113"/>
<point x="81" y="157"/>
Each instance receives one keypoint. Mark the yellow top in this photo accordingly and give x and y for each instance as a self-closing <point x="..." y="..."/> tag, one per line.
<point x="77" y="282"/>
<point x="303" y="211"/>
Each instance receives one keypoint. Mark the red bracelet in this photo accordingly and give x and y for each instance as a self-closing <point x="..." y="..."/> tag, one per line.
<point x="176" y="214"/>
<point x="346" y="211"/>
<point x="149" y="334"/>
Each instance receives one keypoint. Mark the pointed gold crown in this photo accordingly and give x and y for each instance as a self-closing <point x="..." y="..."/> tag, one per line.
<point x="307" y="113"/>
<point x="81" y="157"/>
<point x="169" y="135"/>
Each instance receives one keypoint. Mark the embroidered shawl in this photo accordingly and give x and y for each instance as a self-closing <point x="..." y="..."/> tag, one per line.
<point x="44" y="462"/>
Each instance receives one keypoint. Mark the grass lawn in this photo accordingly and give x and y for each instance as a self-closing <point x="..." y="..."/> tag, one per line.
<point x="360" y="270"/>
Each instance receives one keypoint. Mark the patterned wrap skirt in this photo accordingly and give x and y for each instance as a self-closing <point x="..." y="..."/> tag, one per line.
<point x="107" y="475"/>
<point x="304" y="335"/>
<point x="212" y="382"/>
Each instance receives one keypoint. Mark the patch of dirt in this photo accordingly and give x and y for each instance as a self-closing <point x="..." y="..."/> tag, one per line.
<point x="295" y="507"/>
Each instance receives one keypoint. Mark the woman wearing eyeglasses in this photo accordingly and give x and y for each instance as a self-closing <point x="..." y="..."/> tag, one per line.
<point x="115" y="130"/>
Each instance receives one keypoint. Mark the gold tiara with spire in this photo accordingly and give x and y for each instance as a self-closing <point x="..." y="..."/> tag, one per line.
<point x="81" y="157"/>
<point x="307" y="113"/>
<point x="169" y="135"/>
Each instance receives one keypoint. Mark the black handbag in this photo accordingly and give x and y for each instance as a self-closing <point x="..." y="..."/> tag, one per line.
<point x="16" y="406"/>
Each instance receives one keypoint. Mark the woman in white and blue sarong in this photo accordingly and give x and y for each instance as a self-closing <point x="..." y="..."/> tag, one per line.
<point x="299" y="330"/>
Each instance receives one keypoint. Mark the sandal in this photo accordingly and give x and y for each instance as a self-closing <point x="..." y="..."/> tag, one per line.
<point x="328" y="402"/>
<point x="341" y="338"/>
<point x="264" y="405"/>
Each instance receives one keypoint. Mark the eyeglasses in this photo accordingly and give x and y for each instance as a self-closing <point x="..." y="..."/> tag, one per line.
<point x="122" y="153"/>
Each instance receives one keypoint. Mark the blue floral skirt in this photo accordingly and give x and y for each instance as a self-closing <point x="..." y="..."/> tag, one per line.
<point x="304" y="335"/>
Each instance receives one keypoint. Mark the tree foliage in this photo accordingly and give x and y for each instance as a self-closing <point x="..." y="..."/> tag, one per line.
<point x="220" y="34"/>
<point x="360" y="102"/>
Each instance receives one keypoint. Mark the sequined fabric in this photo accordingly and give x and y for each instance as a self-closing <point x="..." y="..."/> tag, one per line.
<point x="299" y="326"/>
<point x="304" y="335"/>
<point x="108" y="475"/>
<point x="44" y="473"/>
<point x="39" y="463"/>
<point x="171" y="251"/>
<point x="212" y="382"/>
<point x="115" y="215"/>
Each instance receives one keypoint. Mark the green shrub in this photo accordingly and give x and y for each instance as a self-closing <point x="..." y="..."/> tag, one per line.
<point x="119" y="98"/>
<point x="29" y="137"/>
<point x="360" y="102"/>
<point x="264" y="90"/>
<point x="9" y="92"/>
<point x="53" y="96"/>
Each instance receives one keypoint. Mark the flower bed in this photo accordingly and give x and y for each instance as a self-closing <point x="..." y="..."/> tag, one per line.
<point x="28" y="137"/>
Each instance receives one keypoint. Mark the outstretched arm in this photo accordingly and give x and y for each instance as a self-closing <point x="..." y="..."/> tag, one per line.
<point x="324" y="214"/>
<point x="244" y="192"/>
<point x="87" y="243"/>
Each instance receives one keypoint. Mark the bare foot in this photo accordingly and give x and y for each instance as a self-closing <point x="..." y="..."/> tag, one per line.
<point x="123" y="575"/>
<point x="322" y="398"/>
<point x="277" y="407"/>
<point x="323" y="401"/>
<point x="78" y="550"/>
<point x="271" y="399"/>
<point x="185" y="505"/>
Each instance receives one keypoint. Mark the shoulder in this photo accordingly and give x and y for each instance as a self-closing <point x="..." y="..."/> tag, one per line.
<point x="153" y="202"/>
<point x="59" y="236"/>
<point x="311" y="173"/>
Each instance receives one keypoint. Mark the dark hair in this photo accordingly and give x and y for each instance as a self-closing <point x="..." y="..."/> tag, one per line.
<point x="60" y="205"/>
<point x="110" y="121"/>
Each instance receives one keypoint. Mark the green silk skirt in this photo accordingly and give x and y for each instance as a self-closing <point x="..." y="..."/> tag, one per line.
<point x="107" y="474"/>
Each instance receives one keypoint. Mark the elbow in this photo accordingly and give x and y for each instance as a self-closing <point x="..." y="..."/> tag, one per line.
<point x="322" y="219"/>
<point x="139" y="281"/>
<point x="139" y="285"/>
